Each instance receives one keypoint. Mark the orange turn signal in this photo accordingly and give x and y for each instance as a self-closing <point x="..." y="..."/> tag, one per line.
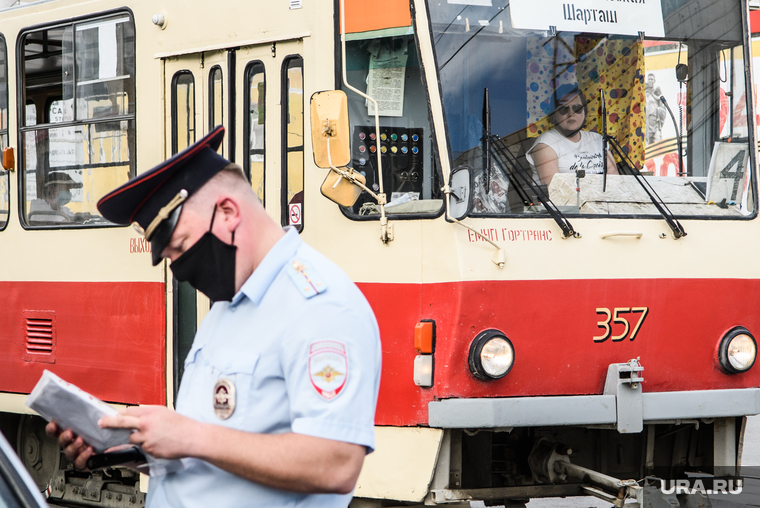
<point x="424" y="336"/>
<point x="9" y="160"/>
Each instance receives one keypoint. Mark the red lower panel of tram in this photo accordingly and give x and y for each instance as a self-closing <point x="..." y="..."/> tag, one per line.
<point x="553" y="325"/>
<point x="106" y="337"/>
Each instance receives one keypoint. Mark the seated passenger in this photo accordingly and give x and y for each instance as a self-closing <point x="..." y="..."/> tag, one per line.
<point x="56" y="194"/>
<point x="566" y="148"/>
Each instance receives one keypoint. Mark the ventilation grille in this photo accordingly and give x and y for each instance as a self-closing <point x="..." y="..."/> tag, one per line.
<point x="39" y="336"/>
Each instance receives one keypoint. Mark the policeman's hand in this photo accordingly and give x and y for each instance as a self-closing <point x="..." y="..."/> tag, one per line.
<point x="160" y="431"/>
<point x="74" y="447"/>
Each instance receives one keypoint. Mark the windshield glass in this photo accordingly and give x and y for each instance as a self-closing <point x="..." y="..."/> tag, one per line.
<point x="530" y="102"/>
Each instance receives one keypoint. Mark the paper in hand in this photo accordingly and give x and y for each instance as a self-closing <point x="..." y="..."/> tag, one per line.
<point x="72" y="408"/>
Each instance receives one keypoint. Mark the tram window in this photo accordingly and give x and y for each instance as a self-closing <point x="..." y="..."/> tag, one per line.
<point x="384" y="64"/>
<point x="256" y="128"/>
<point x="534" y="79"/>
<point x="80" y="75"/>
<point x="183" y="110"/>
<point x="4" y="179"/>
<point x="292" y="96"/>
<point x="215" y="100"/>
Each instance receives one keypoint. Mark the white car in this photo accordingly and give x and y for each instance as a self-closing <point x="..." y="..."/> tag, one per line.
<point x="17" y="490"/>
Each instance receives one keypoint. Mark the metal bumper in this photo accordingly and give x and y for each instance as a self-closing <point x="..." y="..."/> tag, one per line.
<point x="590" y="409"/>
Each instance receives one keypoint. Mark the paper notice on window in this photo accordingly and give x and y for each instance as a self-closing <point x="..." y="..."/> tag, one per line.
<point x="385" y="81"/>
<point x="72" y="408"/>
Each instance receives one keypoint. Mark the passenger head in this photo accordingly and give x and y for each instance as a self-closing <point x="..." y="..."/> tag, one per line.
<point x="569" y="116"/>
<point x="58" y="187"/>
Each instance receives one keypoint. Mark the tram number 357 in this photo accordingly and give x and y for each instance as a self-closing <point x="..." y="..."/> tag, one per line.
<point x="618" y="316"/>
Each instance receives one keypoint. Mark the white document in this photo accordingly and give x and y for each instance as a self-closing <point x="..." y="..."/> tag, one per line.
<point x="385" y="81"/>
<point x="72" y="408"/>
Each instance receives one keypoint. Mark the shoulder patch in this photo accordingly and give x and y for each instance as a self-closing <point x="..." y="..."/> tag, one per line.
<point x="307" y="280"/>
<point x="328" y="368"/>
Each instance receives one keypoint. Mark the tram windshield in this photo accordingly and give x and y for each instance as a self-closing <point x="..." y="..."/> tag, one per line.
<point x="534" y="108"/>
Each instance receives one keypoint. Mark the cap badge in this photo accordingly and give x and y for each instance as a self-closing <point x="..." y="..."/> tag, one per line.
<point x="328" y="368"/>
<point x="224" y="398"/>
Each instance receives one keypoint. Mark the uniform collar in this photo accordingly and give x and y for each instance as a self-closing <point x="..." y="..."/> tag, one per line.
<point x="264" y="274"/>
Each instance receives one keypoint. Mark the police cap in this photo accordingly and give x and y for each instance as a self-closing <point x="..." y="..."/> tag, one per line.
<point x="154" y="199"/>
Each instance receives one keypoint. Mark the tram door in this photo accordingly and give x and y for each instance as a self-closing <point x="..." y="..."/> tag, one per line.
<point x="257" y="93"/>
<point x="196" y="98"/>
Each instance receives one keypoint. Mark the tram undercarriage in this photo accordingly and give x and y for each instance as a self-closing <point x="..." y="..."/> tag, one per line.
<point x="56" y="476"/>
<point x="498" y="466"/>
<point x="510" y="466"/>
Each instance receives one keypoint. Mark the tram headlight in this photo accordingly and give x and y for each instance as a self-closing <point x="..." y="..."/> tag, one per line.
<point x="491" y="355"/>
<point x="737" y="351"/>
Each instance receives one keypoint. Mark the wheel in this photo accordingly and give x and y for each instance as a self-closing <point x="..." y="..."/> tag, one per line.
<point x="39" y="452"/>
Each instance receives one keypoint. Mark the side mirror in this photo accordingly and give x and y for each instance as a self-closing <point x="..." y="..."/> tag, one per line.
<point x="460" y="198"/>
<point x="330" y="137"/>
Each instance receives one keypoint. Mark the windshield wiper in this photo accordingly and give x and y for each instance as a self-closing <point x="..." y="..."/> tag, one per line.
<point x="508" y="158"/>
<point x="491" y="142"/>
<point x="657" y="201"/>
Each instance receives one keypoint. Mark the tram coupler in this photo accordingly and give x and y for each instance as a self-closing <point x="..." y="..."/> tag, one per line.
<point x="550" y="463"/>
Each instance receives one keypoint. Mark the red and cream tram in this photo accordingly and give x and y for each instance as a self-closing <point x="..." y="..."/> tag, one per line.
<point x="609" y="309"/>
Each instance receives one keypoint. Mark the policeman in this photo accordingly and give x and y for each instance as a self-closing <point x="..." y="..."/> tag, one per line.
<point x="276" y="405"/>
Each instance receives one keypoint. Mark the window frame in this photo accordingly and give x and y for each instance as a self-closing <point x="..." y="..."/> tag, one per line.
<point x="249" y="69"/>
<point x="6" y="131"/>
<point x="212" y="98"/>
<point x="285" y="149"/>
<point x="175" y="141"/>
<point x="21" y="103"/>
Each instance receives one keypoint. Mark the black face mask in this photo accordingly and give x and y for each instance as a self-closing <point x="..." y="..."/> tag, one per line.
<point x="209" y="266"/>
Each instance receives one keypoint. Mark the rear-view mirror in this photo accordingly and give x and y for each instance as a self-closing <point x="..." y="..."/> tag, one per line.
<point x="460" y="198"/>
<point x="329" y="129"/>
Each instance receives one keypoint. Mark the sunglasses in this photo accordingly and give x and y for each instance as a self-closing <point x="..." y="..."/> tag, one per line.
<point x="563" y="110"/>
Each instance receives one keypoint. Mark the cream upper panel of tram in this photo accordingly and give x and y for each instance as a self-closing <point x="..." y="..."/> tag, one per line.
<point x="434" y="251"/>
<point x="82" y="255"/>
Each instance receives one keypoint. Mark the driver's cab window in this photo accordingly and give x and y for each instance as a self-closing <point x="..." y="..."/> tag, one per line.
<point x="384" y="64"/>
<point x="78" y="87"/>
<point x="575" y="116"/>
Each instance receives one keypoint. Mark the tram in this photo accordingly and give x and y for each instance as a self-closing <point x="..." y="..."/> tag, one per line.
<point x="561" y="336"/>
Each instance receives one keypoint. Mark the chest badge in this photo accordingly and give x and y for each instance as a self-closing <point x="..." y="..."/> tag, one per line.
<point x="224" y="398"/>
<point x="328" y="368"/>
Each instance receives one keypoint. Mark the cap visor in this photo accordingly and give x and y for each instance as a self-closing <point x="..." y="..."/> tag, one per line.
<point x="163" y="233"/>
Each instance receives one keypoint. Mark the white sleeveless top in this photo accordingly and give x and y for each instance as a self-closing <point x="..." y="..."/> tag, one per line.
<point x="585" y="154"/>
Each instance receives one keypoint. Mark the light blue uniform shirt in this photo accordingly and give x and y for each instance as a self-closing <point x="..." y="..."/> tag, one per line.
<point x="301" y="346"/>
